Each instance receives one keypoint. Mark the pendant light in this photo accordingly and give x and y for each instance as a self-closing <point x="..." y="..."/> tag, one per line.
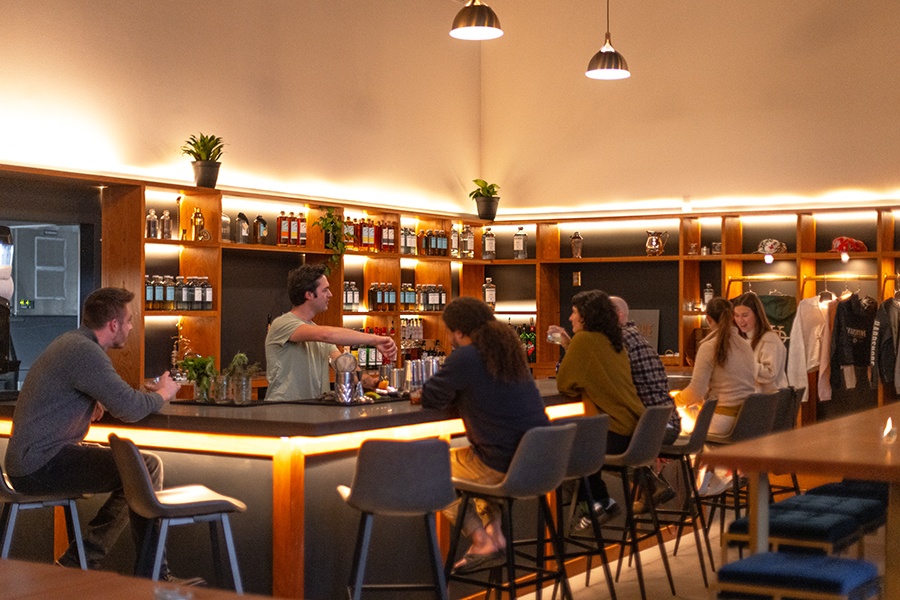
<point x="476" y="21"/>
<point x="607" y="63"/>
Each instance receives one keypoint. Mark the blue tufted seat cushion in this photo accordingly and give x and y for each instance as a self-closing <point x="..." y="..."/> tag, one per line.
<point x="856" y="488"/>
<point x="831" y="528"/>
<point x="825" y="574"/>
<point x="870" y="514"/>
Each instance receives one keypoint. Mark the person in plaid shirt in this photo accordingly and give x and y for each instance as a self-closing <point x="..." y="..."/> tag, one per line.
<point x="652" y="385"/>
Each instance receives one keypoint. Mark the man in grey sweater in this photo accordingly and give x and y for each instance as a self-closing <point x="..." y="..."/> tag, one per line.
<point x="70" y="385"/>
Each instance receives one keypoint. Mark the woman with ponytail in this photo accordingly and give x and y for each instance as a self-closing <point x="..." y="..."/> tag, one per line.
<point x="486" y="380"/>
<point x="724" y="368"/>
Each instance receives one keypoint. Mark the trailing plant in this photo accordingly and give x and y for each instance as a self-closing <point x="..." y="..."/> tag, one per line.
<point x="333" y="227"/>
<point x="204" y="147"/>
<point x="484" y="189"/>
<point x="201" y="370"/>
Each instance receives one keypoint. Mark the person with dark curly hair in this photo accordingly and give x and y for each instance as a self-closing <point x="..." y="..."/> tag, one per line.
<point x="486" y="379"/>
<point x="596" y="368"/>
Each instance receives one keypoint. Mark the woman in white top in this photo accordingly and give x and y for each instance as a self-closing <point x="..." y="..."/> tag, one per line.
<point x="723" y="368"/>
<point x="771" y="355"/>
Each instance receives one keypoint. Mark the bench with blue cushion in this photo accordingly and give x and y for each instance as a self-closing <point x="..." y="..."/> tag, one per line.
<point x="785" y="574"/>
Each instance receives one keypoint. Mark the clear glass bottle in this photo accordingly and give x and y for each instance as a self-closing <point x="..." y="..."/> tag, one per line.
<point x="488" y="245"/>
<point x="520" y="244"/>
<point x="159" y="293"/>
<point x="226" y="228"/>
<point x="148" y="293"/>
<point x="489" y="292"/>
<point x="454" y="241"/>
<point x="708" y="294"/>
<point x="165" y="226"/>
<point x="169" y="292"/>
<point x="180" y="298"/>
<point x="152" y="230"/>
<point x="468" y="242"/>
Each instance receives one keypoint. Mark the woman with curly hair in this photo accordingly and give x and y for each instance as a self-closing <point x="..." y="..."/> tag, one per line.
<point x="596" y="368"/>
<point x="486" y="380"/>
<point x="771" y="355"/>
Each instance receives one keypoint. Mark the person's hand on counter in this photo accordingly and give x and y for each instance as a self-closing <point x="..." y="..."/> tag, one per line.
<point x="369" y="380"/>
<point x="163" y="385"/>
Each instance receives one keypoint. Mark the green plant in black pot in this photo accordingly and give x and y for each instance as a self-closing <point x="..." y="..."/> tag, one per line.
<point x="206" y="151"/>
<point x="486" y="198"/>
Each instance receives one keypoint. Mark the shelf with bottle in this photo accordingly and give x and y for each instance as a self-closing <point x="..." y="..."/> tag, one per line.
<point x="369" y="233"/>
<point x="617" y="239"/>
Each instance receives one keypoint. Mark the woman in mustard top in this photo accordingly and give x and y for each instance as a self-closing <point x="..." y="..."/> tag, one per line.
<point x="596" y="368"/>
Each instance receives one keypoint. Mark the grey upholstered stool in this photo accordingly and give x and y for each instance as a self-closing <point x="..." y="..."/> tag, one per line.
<point x="642" y="451"/>
<point x="537" y="469"/>
<point x="14" y="502"/>
<point x="181" y="505"/>
<point x="683" y="450"/>
<point x="400" y="479"/>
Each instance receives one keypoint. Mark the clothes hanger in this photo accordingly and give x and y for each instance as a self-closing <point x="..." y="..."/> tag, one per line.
<point x="775" y="292"/>
<point x="847" y="292"/>
<point x="826" y="295"/>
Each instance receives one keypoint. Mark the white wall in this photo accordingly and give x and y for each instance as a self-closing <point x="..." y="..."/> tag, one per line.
<point x="339" y="98"/>
<point x="366" y="100"/>
<point x="726" y="98"/>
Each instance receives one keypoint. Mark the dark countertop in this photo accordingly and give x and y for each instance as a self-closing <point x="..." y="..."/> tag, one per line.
<point x="277" y="420"/>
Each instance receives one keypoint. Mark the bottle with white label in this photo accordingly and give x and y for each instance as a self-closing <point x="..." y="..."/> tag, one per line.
<point x="520" y="244"/>
<point x="488" y="245"/>
<point x="489" y="292"/>
<point x="708" y="294"/>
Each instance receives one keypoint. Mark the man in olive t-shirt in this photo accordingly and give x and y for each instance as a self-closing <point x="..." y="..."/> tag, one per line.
<point x="298" y="350"/>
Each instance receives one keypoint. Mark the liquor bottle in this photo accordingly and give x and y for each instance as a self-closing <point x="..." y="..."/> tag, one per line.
<point x="468" y="242"/>
<point x="226" y="228"/>
<point x="301" y="227"/>
<point x="454" y="241"/>
<point x="197" y="224"/>
<point x="355" y="296"/>
<point x="442" y="297"/>
<point x="242" y="229"/>
<point x="345" y="298"/>
<point x="152" y="230"/>
<point x="372" y="351"/>
<point x="207" y="293"/>
<point x="293" y="230"/>
<point x="520" y="244"/>
<point x="169" y="292"/>
<point x="159" y="293"/>
<point x="708" y="294"/>
<point x="488" y="245"/>
<point x="489" y="292"/>
<point x="148" y="293"/>
<point x="260" y="230"/>
<point x="180" y="298"/>
<point x="165" y="225"/>
<point x="283" y="228"/>
<point x="197" y="300"/>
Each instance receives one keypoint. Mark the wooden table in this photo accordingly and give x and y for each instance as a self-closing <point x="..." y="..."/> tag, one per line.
<point x="20" y="580"/>
<point x="850" y="446"/>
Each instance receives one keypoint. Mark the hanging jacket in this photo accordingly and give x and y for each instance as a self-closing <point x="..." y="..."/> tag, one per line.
<point x="780" y="311"/>
<point x="851" y="339"/>
<point x="885" y="343"/>
<point x="810" y="346"/>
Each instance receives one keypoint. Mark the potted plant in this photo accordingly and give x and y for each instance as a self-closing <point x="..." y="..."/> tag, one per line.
<point x="332" y="226"/>
<point x="201" y="370"/>
<point x="205" y="150"/>
<point x="486" y="199"/>
<point x="239" y="373"/>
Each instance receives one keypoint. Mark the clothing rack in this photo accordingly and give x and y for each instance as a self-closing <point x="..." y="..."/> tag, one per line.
<point x="755" y="278"/>
<point x="845" y="277"/>
<point x="889" y="278"/>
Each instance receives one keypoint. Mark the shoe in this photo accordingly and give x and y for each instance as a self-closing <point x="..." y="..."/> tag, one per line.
<point x="661" y="495"/>
<point x="479" y="562"/>
<point x="188" y="582"/>
<point x="703" y="483"/>
<point x="717" y="485"/>
<point x="581" y="527"/>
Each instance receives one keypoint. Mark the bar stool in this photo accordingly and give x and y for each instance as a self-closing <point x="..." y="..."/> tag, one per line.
<point x="683" y="450"/>
<point x="801" y="576"/>
<point x="645" y="445"/>
<point x="587" y="457"/>
<point x="537" y="469"/>
<point x="181" y="505"/>
<point x="785" y="420"/>
<point x="14" y="502"/>
<point x="755" y="419"/>
<point x="401" y="479"/>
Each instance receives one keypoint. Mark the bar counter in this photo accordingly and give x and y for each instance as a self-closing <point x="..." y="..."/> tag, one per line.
<point x="284" y="461"/>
